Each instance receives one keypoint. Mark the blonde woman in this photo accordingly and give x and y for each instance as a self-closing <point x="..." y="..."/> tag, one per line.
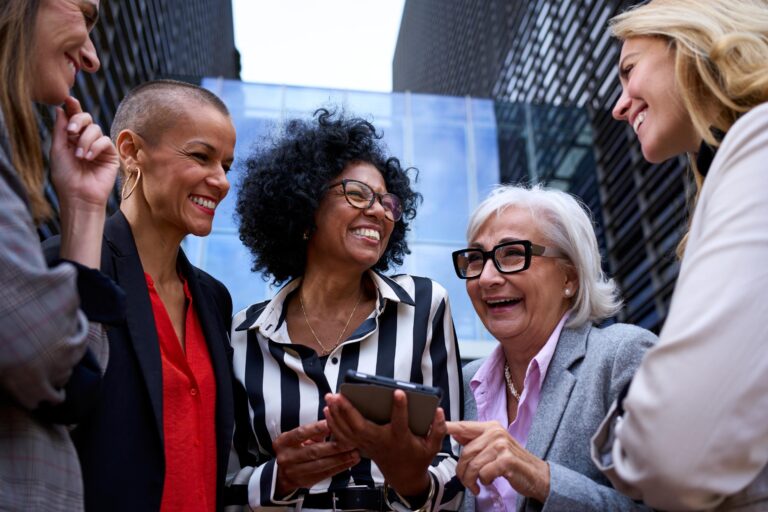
<point x="693" y="433"/>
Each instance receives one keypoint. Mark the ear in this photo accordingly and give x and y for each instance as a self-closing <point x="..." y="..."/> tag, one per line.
<point x="128" y="145"/>
<point x="571" y="283"/>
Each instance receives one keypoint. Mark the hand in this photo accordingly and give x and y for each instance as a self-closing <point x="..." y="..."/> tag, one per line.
<point x="84" y="162"/>
<point x="304" y="457"/>
<point x="490" y="452"/>
<point x="401" y="456"/>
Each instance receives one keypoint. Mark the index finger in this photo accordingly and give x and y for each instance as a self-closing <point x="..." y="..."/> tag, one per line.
<point x="303" y="433"/>
<point x="72" y="106"/>
<point x="465" y="431"/>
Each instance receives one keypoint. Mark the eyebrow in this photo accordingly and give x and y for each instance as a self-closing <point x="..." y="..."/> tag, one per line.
<point x="478" y="245"/>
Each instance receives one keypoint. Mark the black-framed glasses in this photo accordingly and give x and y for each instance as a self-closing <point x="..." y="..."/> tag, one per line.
<point x="360" y="195"/>
<point x="508" y="258"/>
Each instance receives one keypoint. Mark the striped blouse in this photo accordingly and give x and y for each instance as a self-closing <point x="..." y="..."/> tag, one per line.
<point x="408" y="336"/>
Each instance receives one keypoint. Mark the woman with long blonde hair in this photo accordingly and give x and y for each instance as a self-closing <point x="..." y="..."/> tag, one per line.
<point x="44" y="321"/>
<point x="691" y="433"/>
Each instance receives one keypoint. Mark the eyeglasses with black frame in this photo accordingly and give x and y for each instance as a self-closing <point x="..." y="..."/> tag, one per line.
<point x="361" y="195"/>
<point x="508" y="258"/>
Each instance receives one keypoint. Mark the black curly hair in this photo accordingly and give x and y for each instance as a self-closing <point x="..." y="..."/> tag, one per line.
<point x="286" y="177"/>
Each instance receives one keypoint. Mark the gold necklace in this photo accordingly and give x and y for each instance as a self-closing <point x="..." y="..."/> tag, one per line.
<point x="510" y="384"/>
<point x="338" y="340"/>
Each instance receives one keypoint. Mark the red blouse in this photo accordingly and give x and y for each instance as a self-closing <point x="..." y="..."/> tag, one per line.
<point x="189" y="408"/>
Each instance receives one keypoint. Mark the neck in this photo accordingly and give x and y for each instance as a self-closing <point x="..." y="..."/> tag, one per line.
<point x="158" y="247"/>
<point x="330" y="290"/>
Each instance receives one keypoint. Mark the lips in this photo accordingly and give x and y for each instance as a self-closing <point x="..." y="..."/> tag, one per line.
<point x="503" y="302"/>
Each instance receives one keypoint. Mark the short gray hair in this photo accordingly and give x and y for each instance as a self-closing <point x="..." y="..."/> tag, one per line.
<point x="567" y="226"/>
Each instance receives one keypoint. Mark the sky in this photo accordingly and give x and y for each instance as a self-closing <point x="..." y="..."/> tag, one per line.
<point x="337" y="44"/>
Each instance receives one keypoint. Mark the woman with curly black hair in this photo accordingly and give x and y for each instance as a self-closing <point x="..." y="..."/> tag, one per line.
<point x="323" y="208"/>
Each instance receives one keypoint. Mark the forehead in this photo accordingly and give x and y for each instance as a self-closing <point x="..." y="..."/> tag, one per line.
<point x="201" y="122"/>
<point x="365" y="172"/>
<point x="512" y="223"/>
<point x="642" y="44"/>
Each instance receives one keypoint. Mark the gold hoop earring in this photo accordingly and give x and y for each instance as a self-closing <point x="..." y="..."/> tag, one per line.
<point x="125" y="183"/>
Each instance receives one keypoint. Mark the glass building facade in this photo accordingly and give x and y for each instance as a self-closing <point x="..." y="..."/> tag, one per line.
<point x="452" y="141"/>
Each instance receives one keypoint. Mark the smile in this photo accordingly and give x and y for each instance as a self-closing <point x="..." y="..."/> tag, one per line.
<point x="494" y="303"/>
<point x="639" y="120"/>
<point x="367" y="233"/>
<point x="204" y="202"/>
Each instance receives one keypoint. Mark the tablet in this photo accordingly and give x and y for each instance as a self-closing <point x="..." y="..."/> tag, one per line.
<point x="372" y="397"/>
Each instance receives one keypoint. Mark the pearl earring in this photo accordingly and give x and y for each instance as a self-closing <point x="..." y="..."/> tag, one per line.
<point x="567" y="292"/>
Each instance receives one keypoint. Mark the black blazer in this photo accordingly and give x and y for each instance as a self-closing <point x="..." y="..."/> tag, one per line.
<point x="120" y="444"/>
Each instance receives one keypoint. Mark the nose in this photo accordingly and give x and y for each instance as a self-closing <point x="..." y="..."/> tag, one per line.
<point x="89" y="60"/>
<point x="376" y="209"/>
<point x="490" y="274"/>
<point x="218" y="180"/>
<point x="621" y="109"/>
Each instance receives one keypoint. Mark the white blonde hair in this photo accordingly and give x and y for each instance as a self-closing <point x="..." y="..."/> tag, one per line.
<point x="567" y="226"/>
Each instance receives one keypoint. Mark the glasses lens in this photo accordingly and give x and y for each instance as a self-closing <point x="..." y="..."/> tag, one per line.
<point x="358" y="194"/>
<point x="392" y="206"/>
<point x="510" y="257"/>
<point x="469" y="263"/>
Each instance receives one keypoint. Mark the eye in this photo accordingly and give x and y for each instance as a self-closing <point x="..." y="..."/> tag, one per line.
<point x="624" y="72"/>
<point x="200" y="156"/>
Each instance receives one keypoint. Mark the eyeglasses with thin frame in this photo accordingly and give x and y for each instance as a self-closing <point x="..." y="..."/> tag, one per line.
<point x="508" y="258"/>
<point x="360" y="195"/>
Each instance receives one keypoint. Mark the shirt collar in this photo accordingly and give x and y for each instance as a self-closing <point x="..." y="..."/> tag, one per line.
<point x="490" y="373"/>
<point x="271" y="319"/>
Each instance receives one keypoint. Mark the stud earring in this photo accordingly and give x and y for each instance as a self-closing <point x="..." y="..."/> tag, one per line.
<point x="306" y="235"/>
<point x="567" y="292"/>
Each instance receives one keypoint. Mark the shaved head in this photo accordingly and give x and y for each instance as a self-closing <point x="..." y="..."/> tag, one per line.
<point x="155" y="107"/>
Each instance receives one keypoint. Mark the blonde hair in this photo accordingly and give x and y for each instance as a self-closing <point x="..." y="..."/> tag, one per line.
<point x="721" y="50"/>
<point x="17" y="23"/>
<point x="567" y="226"/>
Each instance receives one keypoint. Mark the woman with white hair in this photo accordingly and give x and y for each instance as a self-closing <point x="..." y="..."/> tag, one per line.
<point x="534" y="277"/>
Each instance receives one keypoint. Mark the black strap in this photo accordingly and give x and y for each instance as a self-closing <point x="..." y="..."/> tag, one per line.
<point x="348" y="499"/>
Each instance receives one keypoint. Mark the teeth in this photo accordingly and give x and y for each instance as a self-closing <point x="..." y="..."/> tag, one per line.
<point x="639" y="120"/>
<point x="368" y="233"/>
<point x="205" y="203"/>
<point x="501" y="301"/>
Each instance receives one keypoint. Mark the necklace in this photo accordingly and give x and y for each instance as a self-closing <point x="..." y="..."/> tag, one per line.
<point x="510" y="384"/>
<point x="327" y="351"/>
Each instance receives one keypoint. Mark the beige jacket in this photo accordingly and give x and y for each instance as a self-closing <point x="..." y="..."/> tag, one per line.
<point x="695" y="432"/>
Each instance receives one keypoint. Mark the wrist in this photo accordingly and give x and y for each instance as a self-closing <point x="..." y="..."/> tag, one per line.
<point x="81" y="232"/>
<point x="420" y="502"/>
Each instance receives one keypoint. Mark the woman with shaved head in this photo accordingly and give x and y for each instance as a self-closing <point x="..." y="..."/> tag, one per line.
<point x="160" y="437"/>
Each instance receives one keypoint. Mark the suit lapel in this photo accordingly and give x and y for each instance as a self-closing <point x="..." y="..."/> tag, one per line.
<point x="142" y="333"/>
<point x="556" y="390"/>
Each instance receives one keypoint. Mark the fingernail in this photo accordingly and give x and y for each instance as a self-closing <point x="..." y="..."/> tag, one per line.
<point x="79" y="152"/>
<point x="89" y="156"/>
<point x="72" y="127"/>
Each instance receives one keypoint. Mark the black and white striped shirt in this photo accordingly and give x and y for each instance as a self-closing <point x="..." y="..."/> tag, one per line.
<point x="408" y="336"/>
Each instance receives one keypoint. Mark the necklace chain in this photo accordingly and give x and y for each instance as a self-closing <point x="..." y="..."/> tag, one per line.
<point x="510" y="384"/>
<point x="327" y="351"/>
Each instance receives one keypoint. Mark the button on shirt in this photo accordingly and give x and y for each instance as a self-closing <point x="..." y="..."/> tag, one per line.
<point x="490" y="391"/>
<point x="189" y="405"/>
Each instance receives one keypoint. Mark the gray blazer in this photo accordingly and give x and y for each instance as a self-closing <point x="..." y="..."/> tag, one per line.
<point x="589" y="368"/>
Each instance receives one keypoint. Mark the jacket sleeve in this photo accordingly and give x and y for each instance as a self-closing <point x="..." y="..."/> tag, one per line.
<point x="43" y="334"/>
<point x="694" y="429"/>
